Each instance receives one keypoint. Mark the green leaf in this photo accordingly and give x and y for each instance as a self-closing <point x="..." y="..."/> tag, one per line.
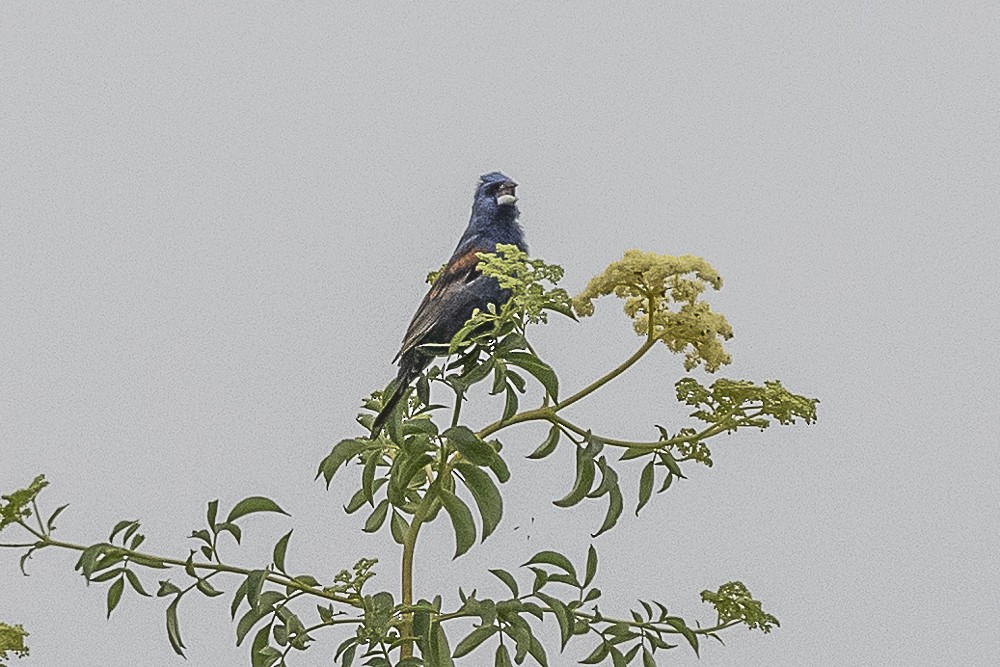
<point x="280" y="549"/>
<point x="341" y="453"/>
<point x="120" y="526"/>
<point x="515" y="380"/>
<point x="404" y="469"/>
<point x="377" y="517"/>
<point x="667" y="481"/>
<point x="368" y="477"/>
<point x="633" y="453"/>
<point x="591" y="565"/>
<point x="552" y="558"/>
<point x="212" y="513"/>
<point x="549" y="445"/>
<point x="258" y="658"/>
<point x="615" y="502"/>
<point x="207" y="589"/>
<point x="461" y="520"/>
<point x="399" y="527"/>
<point x="563" y="616"/>
<point x="499" y="377"/>
<point x="246" y="624"/>
<point x="598" y="654"/>
<point x="499" y="466"/>
<point x="133" y="580"/>
<point x="173" y="628"/>
<point x="541" y="370"/>
<point x="518" y="630"/>
<point x="486" y="495"/>
<point x="678" y="624"/>
<point x="255" y="583"/>
<point x="537" y="651"/>
<point x="645" y="486"/>
<point x="167" y="588"/>
<point x="202" y="535"/>
<point x="470" y="445"/>
<point x="147" y="561"/>
<point x="440" y="652"/>
<point x="474" y="639"/>
<point x="232" y="529"/>
<point x="106" y="575"/>
<point x="510" y="404"/>
<point x="346" y="650"/>
<point x="238" y="597"/>
<point x="671" y="463"/>
<point x="584" y="479"/>
<point x="130" y="531"/>
<point x="474" y="374"/>
<point x="423" y="388"/>
<point x="189" y="566"/>
<point x="507" y="578"/>
<point x="51" y="523"/>
<point x="115" y="594"/>
<point x="502" y="657"/>
<point x="647" y="658"/>
<point x="254" y="504"/>
<point x="541" y="578"/>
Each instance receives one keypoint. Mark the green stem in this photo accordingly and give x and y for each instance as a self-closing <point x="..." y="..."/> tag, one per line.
<point x="409" y="546"/>
<point x="212" y="567"/>
<point x="336" y="621"/>
<point x="546" y="413"/>
<point x="710" y="431"/>
<point x="441" y="618"/>
<point x="38" y="516"/>
<point x="39" y="535"/>
<point x="458" y="408"/>
<point x="652" y="624"/>
<point x="608" y="377"/>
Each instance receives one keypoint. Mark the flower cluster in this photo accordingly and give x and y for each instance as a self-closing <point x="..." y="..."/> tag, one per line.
<point x="650" y="284"/>
<point x="17" y="506"/>
<point x="733" y="602"/>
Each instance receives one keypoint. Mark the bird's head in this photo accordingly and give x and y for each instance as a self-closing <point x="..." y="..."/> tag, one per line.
<point x="497" y="189"/>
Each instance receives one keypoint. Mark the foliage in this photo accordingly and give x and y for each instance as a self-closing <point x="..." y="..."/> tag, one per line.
<point x="427" y="464"/>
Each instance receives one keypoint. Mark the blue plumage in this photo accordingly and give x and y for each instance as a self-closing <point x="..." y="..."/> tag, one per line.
<point x="461" y="288"/>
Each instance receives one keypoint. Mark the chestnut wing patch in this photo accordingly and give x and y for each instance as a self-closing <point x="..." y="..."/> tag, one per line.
<point x="458" y="273"/>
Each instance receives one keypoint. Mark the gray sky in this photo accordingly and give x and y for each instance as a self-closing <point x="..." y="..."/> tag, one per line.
<point x="215" y="224"/>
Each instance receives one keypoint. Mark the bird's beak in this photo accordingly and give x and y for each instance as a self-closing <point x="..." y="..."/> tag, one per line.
<point x="505" y="194"/>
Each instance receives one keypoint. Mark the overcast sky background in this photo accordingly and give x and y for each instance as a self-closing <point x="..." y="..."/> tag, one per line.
<point x="215" y="223"/>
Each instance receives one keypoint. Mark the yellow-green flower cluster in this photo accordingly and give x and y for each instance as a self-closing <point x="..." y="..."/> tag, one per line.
<point x="650" y="284"/>
<point x="12" y="639"/>
<point x="17" y="506"/>
<point x="733" y="602"/>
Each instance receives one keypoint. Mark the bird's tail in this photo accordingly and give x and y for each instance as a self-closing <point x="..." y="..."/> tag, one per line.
<point x="398" y="391"/>
<point x="409" y="368"/>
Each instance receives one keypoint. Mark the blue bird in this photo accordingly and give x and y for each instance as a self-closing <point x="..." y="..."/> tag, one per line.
<point x="460" y="288"/>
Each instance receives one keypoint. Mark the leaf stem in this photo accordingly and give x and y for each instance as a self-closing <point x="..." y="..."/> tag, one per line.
<point x="710" y="431"/>
<point x="212" y="567"/>
<point x="608" y="377"/>
<point x="545" y="413"/>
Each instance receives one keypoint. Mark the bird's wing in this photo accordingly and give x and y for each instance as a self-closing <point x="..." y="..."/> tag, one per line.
<point x="440" y="300"/>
